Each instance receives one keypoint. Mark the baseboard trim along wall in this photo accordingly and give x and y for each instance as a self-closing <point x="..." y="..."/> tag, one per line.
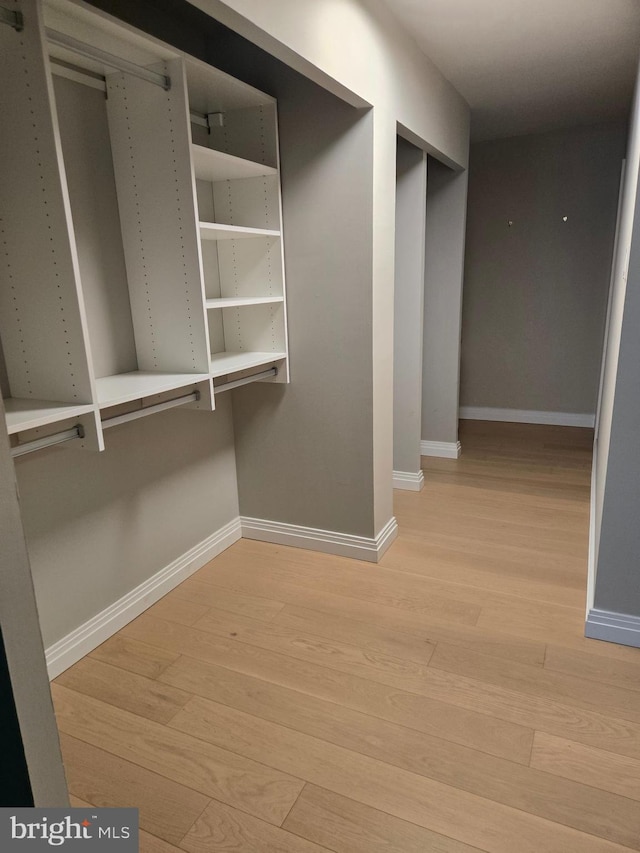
<point x="523" y="416"/>
<point x="326" y="541"/>
<point x="91" y="634"/>
<point x="613" y="627"/>
<point x="87" y="637"/>
<point x="408" y="481"/>
<point x="445" y="449"/>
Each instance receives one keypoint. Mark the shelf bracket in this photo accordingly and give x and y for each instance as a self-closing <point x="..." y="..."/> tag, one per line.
<point x="150" y="410"/>
<point x="215" y="120"/>
<point x="209" y="120"/>
<point x="48" y="441"/>
<point x="12" y="18"/>
<point x="236" y="383"/>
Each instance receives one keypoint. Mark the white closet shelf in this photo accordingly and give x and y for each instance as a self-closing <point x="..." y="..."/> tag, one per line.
<point x="23" y="414"/>
<point x="239" y="301"/>
<point x="124" y="387"/>
<point x="230" y="362"/>
<point x="217" y="231"/>
<point x="212" y="165"/>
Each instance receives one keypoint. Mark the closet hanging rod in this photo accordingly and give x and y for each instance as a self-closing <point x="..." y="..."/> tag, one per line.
<point x="150" y="410"/>
<point x="196" y="118"/>
<point x="236" y="383"/>
<point x="80" y="75"/>
<point x="12" y="18"/>
<point x="47" y="441"/>
<point x="88" y="50"/>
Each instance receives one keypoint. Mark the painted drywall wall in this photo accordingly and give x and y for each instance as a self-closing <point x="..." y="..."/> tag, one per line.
<point x="614" y="329"/>
<point x="612" y="572"/>
<point x="24" y="648"/>
<point x="99" y="524"/>
<point x="617" y="583"/>
<point x="535" y="292"/>
<point x="411" y="210"/>
<point x="304" y="452"/>
<point x="444" y="260"/>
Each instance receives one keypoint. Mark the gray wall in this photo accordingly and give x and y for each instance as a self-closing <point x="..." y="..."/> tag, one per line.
<point x="618" y="571"/>
<point x="411" y="190"/>
<point x="444" y="260"/>
<point x="99" y="524"/>
<point x="24" y="649"/>
<point x="535" y="293"/>
<point x="619" y="274"/>
<point x="304" y="452"/>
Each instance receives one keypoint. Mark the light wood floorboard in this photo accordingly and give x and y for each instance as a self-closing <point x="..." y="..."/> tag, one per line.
<point x="221" y="827"/>
<point x="444" y="701"/>
<point x="167" y="809"/>
<point x="596" y="767"/>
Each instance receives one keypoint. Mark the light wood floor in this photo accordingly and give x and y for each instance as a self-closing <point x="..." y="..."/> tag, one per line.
<point x="282" y="701"/>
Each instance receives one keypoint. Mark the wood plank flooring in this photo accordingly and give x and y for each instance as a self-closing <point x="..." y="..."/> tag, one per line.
<point x="444" y="701"/>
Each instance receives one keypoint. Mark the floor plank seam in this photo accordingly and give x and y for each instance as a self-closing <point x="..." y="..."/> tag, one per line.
<point x="211" y="800"/>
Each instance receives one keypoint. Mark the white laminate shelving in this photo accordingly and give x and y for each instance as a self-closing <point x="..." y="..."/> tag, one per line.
<point x="223" y="363"/>
<point x="142" y="255"/>
<point x="220" y="231"/>
<point x="237" y="181"/>
<point x="241" y="301"/>
<point x="125" y="387"/>
<point x="43" y="337"/>
<point x="24" y="414"/>
<point x="212" y="165"/>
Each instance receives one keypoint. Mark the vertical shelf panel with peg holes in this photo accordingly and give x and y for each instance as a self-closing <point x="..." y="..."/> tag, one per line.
<point x="151" y="155"/>
<point x="47" y="377"/>
<point x="235" y="164"/>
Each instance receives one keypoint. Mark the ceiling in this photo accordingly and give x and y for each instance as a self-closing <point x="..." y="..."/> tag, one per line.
<point x="531" y="65"/>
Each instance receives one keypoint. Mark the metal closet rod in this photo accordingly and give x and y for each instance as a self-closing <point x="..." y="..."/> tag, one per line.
<point x="150" y="410"/>
<point x="236" y="383"/>
<point x="48" y="441"/>
<point x="88" y="50"/>
<point x="78" y="431"/>
<point x="12" y="18"/>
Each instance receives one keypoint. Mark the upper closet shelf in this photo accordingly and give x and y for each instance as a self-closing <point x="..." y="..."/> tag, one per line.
<point x="239" y="301"/>
<point x="124" y="387"/>
<point x="23" y="414"/>
<point x="212" y="165"/>
<point x="217" y="231"/>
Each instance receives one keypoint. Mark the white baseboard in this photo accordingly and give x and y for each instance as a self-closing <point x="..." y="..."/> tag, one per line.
<point x="408" y="481"/>
<point x="523" y="416"/>
<point x="87" y="637"/>
<point x="326" y="541"/>
<point x="445" y="449"/>
<point x="613" y="627"/>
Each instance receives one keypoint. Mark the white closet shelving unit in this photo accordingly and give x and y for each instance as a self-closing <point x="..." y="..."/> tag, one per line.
<point x="141" y="226"/>
<point x="234" y="153"/>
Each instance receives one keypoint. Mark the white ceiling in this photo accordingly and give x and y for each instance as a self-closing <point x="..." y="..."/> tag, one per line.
<point x="531" y="65"/>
